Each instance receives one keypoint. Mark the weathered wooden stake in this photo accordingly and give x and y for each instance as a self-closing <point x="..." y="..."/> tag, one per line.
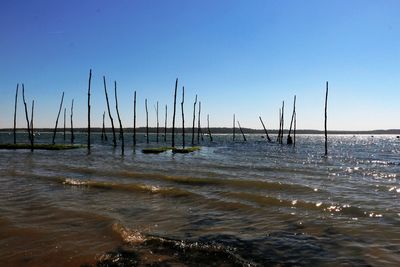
<point x="32" y="134"/>
<point x="280" y="126"/>
<point x="88" y="130"/>
<point x="289" y="138"/>
<point x="58" y="116"/>
<point x="72" y="124"/>
<point x="265" y="130"/>
<point x="109" y="112"/>
<point x="103" y="129"/>
<point x="158" y="125"/>
<point x="208" y="127"/>
<point x="173" y="117"/>
<point x="283" y="112"/>
<point x="240" y="128"/>
<point x="326" y="120"/>
<point x="15" y="115"/>
<point x="234" y="128"/>
<point x="165" y="123"/>
<point x="294" y="130"/>
<point x="65" y="119"/>
<point x="198" y="124"/>
<point x="183" y="117"/>
<point x="194" y="119"/>
<point x="121" y="130"/>
<point x="147" y="121"/>
<point x="134" y="118"/>
<point x="26" y="112"/>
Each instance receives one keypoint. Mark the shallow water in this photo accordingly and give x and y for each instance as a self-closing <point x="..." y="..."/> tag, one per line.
<point x="229" y="204"/>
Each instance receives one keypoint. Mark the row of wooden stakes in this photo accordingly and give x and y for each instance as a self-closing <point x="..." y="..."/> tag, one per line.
<point x="290" y="140"/>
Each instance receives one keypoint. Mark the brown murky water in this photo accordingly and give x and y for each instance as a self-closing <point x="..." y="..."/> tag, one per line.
<point x="229" y="204"/>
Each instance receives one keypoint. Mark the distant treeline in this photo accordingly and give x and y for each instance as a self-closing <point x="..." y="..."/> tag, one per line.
<point x="218" y="130"/>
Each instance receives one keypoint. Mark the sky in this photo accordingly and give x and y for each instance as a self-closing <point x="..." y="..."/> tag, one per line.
<point x="243" y="57"/>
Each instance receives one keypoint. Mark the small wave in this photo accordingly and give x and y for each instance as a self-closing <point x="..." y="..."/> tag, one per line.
<point x="71" y="181"/>
<point x="318" y="206"/>
<point x="170" y="191"/>
<point x="128" y="235"/>
<point x="208" y="181"/>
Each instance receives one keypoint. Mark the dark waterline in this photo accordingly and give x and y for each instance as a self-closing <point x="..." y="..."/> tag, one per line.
<point x="237" y="204"/>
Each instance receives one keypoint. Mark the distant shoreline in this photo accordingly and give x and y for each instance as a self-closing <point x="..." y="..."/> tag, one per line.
<point x="215" y="131"/>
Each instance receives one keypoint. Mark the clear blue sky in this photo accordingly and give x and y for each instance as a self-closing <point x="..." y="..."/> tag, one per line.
<point x="241" y="57"/>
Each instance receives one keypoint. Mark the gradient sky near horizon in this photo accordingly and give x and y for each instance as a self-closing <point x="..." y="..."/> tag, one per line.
<point x="243" y="57"/>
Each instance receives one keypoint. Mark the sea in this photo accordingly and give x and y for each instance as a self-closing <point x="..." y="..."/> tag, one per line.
<point x="231" y="203"/>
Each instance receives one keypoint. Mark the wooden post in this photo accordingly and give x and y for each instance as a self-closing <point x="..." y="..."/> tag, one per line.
<point x="89" y="84"/>
<point x="65" y="118"/>
<point x="121" y="130"/>
<point x="72" y="124"/>
<point x="165" y="123"/>
<point x="103" y="129"/>
<point x="244" y="137"/>
<point x="198" y="124"/>
<point x="32" y="134"/>
<point x="283" y="112"/>
<point x="183" y="117"/>
<point x="326" y="120"/>
<point x="15" y="115"/>
<point x="234" y="129"/>
<point x="109" y="112"/>
<point x="289" y="138"/>
<point x="147" y="121"/>
<point x="173" y="117"/>
<point x="265" y="130"/>
<point x="208" y="127"/>
<point x="134" y="118"/>
<point x="194" y="119"/>
<point x="58" y="116"/>
<point x="26" y="112"/>
<point x="158" y="125"/>
<point x="294" y="130"/>
<point x="280" y="126"/>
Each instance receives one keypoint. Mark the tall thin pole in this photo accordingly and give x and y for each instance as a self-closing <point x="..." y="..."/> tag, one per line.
<point x="58" y="116"/>
<point x="32" y="135"/>
<point x="165" y="123"/>
<point x="280" y="126"/>
<point x="173" y="117"/>
<point x="183" y="117"/>
<point x="194" y="119"/>
<point x="208" y="127"/>
<point x="121" y="130"/>
<point x="289" y="138"/>
<point x="158" y="124"/>
<point x="109" y="112"/>
<point x="26" y="112"/>
<point x="265" y="129"/>
<point x="326" y="120"/>
<point x="103" y="129"/>
<point x="234" y="128"/>
<point x="72" y="124"/>
<point x="65" y="120"/>
<point x="198" y="124"/>
<point x="240" y="128"/>
<point x="283" y="112"/>
<point x="147" y="121"/>
<point x="89" y="85"/>
<point x="15" y="114"/>
<point x="294" y="130"/>
<point x="134" y="118"/>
